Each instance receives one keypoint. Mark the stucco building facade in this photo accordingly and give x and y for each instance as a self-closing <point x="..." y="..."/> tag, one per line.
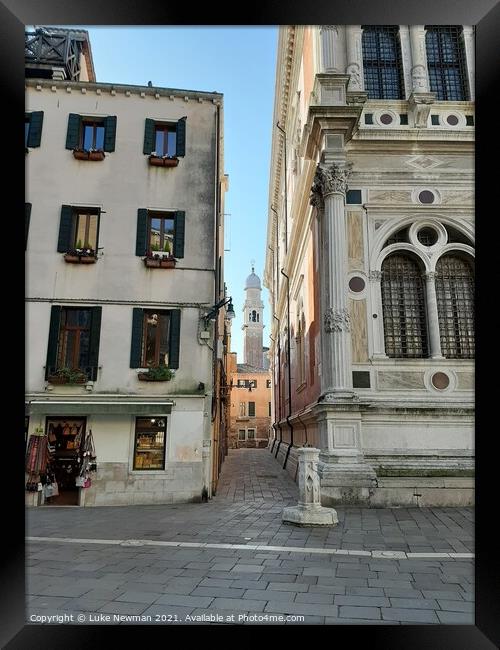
<point x="124" y="259"/>
<point x="369" y="264"/>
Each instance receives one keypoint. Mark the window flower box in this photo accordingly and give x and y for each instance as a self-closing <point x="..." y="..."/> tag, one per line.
<point x="80" y="256"/>
<point x="67" y="376"/>
<point x="161" y="262"/>
<point x="91" y="154"/>
<point x="156" y="373"/>
<point x="163" y="161"/>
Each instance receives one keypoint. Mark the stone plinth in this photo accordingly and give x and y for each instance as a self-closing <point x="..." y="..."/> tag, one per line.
<point x="309" y="511"/>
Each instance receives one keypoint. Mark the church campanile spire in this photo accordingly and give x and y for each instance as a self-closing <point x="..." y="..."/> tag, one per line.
<point x="253" y="322"/>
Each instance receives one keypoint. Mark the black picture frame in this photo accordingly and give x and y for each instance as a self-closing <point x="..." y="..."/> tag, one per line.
<point x="485" y="15"/>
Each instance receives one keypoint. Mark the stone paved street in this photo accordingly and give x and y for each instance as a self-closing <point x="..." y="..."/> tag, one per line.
<point x="385" y="566"/>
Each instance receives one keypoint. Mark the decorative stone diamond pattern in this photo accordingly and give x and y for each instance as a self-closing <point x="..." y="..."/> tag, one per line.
<point x="423" y="162"/>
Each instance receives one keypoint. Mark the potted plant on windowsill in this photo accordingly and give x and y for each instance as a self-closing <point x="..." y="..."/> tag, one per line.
<point x="81" y="255"/>
<point x="67" y="376"/>
<point x="162" y="260"/>
<point x="162" y="161"/>
<point x="156" y="373"/>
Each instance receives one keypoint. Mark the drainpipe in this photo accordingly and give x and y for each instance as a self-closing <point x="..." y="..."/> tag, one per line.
<point x="286" y="195"/>
<point x="278" y="413"/>
<point x="274" y="423"/>
<point x="215" y="455"/>
<point x="289" y="370"/>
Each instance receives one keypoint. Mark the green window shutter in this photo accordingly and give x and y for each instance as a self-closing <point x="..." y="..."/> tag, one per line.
<point x="180" y="149"/>
<point x="27" y="216"/>
<point x="65" y="228"/>
<point x="55" y="321"/>
<point x="149" y="136"/>
<point x="73" y="133"/>
<point x="180" y="219"/>
<point x="137" y="329"/>
<point x="141" y="242"/>
<point x="95" y="334"/>
<point x="109" y="133"/>
<point x="35" y="132"/>
<point x="175" y="338"/>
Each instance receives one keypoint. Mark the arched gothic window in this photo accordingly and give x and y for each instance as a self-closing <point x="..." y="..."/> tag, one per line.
<point x="403" y="302"/>
<point x="382" y="65"/>
<point x="455" y="301"/>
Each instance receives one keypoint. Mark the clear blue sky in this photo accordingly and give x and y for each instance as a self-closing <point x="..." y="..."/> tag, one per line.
<point x="239" y="62"/>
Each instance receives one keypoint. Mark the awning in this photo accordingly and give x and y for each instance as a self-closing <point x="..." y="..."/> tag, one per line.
<point x="98" y="407"/>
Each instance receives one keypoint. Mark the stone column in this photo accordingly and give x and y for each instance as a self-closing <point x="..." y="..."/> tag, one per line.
<point x="330" y="185"/>
<point x="345" y="476"/>
<point x="377" y="310"/>
<point x="329" y="48"/>
<point x="469" y="58"/>
<point x="432" y="316"/>
<point x="419" y="74"/>
<point x="421" y="98"/>
<point x="309" y="511"/>
<point x="354" y="49"/>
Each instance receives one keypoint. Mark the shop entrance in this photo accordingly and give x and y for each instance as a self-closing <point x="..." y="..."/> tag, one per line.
<point x="66" y="437"/>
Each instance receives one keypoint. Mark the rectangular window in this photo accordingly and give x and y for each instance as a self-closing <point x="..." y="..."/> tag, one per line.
<point x="74" y="338"/>
<point x="33" y="123"/>
<point x="446" y="62"/>
<point x="85" y="229"/>
<point x="92" y="135"/>
<point x="269" y="413"/>
<point x="243" y="409"/>
<point x="156" y="336"/>
<point x="165" y="140"/>
<point x="268" y="383"/>
<point x="353" y="196"/>
<point x="79" y="231"/>
<point x="251" y="409"/>
<point x="383" y="68"/>
<point x="251" y="434"/>
<point x="241" y="434"/>
<point x="149" y="447"/>
<point x="161" y="232"/>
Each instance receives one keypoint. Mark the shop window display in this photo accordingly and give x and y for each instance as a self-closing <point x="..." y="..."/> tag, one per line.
<point x="149" y="450"/>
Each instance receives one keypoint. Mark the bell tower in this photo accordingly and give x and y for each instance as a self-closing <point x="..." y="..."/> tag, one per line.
<point x="253" y="326"/>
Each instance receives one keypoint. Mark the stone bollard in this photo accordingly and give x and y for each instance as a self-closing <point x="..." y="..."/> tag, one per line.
<point x="309" y="511"/>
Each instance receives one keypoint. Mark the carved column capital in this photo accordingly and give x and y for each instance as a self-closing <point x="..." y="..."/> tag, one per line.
<point x="375" y="276"/>
<point x="337" y="320"/>
<point x="331" y="179"/>
<point x="316" y="197"/>
<point x="430" y="276"/>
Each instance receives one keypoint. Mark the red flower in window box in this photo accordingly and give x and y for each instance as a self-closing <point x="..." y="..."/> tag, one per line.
<point x="163" y="161"/>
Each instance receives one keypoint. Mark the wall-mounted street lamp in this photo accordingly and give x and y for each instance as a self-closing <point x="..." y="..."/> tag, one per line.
<point x="210" y="315"/>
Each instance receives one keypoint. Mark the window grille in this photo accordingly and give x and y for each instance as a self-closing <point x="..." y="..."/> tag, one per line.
<point x="455" y="300"/>
<point x="446" y="62"/>
<point x="403" y="301"/>
<point x="397" y="237"/>
<point x="383" y="68"/>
